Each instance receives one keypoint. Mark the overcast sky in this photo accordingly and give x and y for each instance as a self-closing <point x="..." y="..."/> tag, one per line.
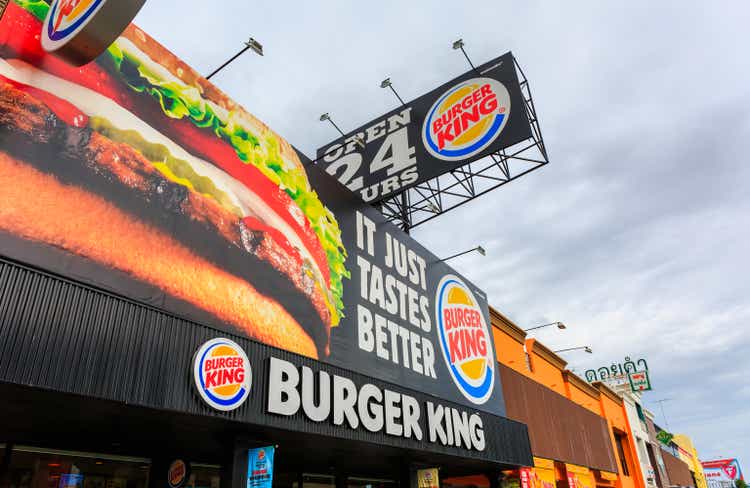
<point x="636" y="235"/>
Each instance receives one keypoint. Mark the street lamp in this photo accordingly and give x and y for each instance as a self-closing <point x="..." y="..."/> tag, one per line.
<point x="251" y="44"/>
<point x="459" y="44"/>
<point x="559" y="325"/>
<point x="585" y="348"/>
<point x="386" y="83"/>
<point x="429" y="207"/>
<point x="357" y="139"/>
<point x="478" y="249"/>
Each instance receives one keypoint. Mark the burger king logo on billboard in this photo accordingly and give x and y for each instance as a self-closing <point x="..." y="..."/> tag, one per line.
<point x="466" y="119"/>
<point x="222" y="374"/>
<point x="65" y="19"/>
<point x="465" y="340"/>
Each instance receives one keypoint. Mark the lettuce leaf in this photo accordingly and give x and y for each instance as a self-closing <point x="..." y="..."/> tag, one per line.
<point x="179" y="100"/>
<point x="38" y="8"/>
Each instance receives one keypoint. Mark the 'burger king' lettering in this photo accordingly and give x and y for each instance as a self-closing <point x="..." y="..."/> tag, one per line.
<point x="466" y="119"/>
<point x="465" y="340"/>
<point x="222" y="374"/>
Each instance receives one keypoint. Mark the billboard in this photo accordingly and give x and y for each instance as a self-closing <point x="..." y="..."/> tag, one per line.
<point x="136" y="175"/>
<point x="477" y="114"/>
<point x="722" y="473"/>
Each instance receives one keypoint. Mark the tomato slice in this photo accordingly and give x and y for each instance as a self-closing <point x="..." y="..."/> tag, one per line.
<point x="20" y="38"/>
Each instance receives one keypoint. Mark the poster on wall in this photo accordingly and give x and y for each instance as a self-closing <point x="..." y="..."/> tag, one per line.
<point x="428" y="478"/>
<point x="136" y="175"/>
<point x="479" y="113"/>
<point x="579" y="477"/>
<point x="260" y="467"/>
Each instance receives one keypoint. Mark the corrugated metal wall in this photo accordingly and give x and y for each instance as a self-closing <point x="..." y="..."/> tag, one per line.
<point x="61" y="335"/>
<point x="677" y="470"/>
<point x="559" y="429"/>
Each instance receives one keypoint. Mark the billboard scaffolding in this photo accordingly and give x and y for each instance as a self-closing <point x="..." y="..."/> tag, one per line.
<point x="430" y="199"/>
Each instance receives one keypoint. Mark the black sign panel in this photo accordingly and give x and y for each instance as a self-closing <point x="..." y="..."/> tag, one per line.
<point x="410" y="318"/>
<point x="149" y="362"/>
<point x="472" y="116"/>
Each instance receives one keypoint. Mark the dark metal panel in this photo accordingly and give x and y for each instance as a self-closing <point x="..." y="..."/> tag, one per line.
<point x="64" y="336"/>
<point x="677" y="470"/>
<point x="559" y="429"/>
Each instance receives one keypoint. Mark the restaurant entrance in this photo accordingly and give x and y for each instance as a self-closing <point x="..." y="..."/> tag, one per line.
<point x="57" y="440"/>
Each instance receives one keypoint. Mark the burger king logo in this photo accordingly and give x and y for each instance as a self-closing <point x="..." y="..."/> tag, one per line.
<point x="177" y="474"/>
<point x="465" y="340"/>
<point x="222" y="374"/>
<point x="466" y="119"/>
<point x="65" y="19"/>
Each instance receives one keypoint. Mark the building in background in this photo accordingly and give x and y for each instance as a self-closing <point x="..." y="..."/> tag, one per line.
<point x="655" y="452"/>
<point x="722" y="473"/>
<point x="637" y="422"/>
<point x="614" y="412"/>
<point x="687" y="452"/>
<point x="678" y="471"/>
<point x="574" y="441"/>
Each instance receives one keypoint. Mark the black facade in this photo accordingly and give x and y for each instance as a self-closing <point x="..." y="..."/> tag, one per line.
<point x="87" y="370"/>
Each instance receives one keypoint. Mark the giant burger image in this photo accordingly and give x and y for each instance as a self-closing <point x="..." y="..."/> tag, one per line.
<point x="136" y="165"/>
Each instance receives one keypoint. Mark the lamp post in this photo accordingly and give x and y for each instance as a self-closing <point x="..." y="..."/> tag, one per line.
<point x="459" y="44"/>
<point x="357" y="139"/>
<point x="250" y="44"/>
<point x="478" y="249"/>
<point x="559" y="325"/>
<point x="584" y="348"/>
<point x="386" y="83"/>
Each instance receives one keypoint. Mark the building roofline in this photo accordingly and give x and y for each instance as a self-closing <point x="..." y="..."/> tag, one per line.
<point x="608" y="392"/>
<point x="504" y="324"/>
<point x="581" y="384"/>
<point x="532" y="345"/>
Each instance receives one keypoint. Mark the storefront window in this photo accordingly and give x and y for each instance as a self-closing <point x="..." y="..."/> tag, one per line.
<point x="318" y="481"/>
<point x="45" y="468"/>
<point x="204" y="476"/>
<point x="621" y="452"/>
<point x="370" y="483"/>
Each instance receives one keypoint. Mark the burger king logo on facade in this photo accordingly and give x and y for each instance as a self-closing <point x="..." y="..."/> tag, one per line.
<point x="222" y="374"/>
<point x="65" y="19"/>
<point x="465" y="340"/>
<point x="466" y="119"/>
<point x="177" y="473"/>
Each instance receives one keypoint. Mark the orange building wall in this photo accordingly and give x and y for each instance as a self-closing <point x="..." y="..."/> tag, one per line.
<point x="616" y="417"/>
<point x="545" y="372"/>
<point x="614" y="412"/>
<point x="509" y="351"/>
<point x="583" y="399"/>
<point x="550" y="373"/>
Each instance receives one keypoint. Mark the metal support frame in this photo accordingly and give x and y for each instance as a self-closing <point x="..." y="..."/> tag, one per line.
<point x="426" y="201"/>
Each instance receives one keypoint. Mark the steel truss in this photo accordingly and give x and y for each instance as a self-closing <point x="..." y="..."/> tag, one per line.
<point x="428" y="200"/>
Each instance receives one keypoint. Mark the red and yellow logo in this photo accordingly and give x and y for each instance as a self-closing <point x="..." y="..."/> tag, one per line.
<point x="466" y="119"/>
<point x="222" y="374"/>
<point x="465" y="340"/>
<point x="177" y="473"/>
